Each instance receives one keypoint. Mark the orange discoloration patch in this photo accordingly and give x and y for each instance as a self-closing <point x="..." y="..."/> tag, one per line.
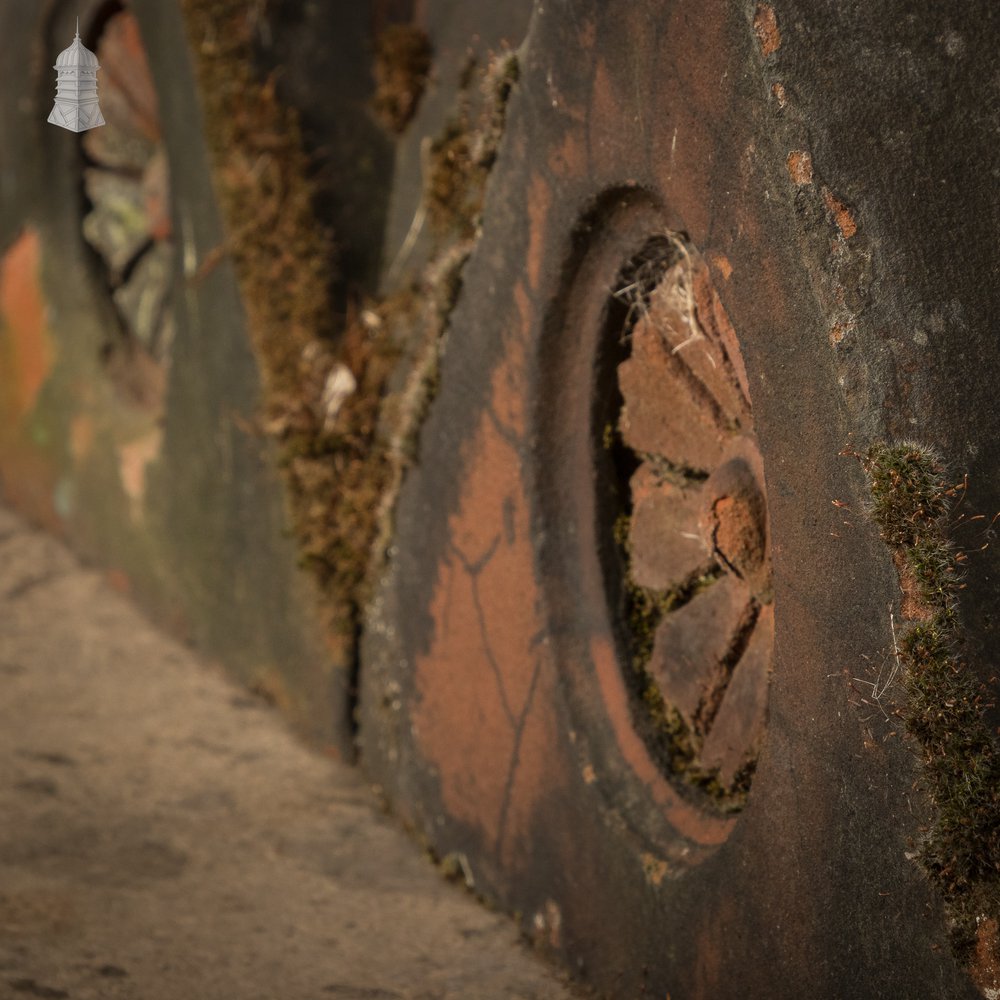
<point x="722" y="264"/>
<point x="839" y="331"/>
<point x="655" y="869"/>
<point x="779" y="94"/>
<point x="842" y="215"/>
<point x="479" y="682"/>
<point x="800" y="166"/>
<point x="134" y="459"/>
<point x="26" y="350"/>
<point x="486" y="689"/>
<point x="765" y="25"/>
<point x="27" y="355"/>
<point x="986" y="961"/>
<point x="532" y="767"/>
<point x="28" y="482"/>
<point x="539" y="202"/>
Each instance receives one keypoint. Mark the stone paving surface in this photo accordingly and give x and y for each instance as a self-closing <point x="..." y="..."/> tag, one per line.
<point x="163" y="837"/>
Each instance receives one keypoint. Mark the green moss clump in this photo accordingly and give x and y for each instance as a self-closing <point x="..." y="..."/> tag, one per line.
<point x="944" y="706"/>
<point x="908" y="492"/>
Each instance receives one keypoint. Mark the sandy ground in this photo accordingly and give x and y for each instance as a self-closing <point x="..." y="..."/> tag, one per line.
<point x="163" y="837"/>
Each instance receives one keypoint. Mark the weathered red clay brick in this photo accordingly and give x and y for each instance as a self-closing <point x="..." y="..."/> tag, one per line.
<point x="735" y="521"/>
<point x="666" y="542"/>
<point x="665" y="413"/>
<point x="739" y="723"/>
<point x="692" y="642"/>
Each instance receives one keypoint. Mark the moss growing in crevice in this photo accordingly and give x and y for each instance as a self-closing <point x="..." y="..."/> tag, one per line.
<point x="674" y="743"/>
<point x="456" y="171"/>
<point x="943" y="705"/>
<point x="284" y="260"/>
<point x="684" y="748"/>
<point x="461" y="157"/>
<point x="283" y="256"/>
<point x="402" y="65"/>
<point x="345" y="440"/>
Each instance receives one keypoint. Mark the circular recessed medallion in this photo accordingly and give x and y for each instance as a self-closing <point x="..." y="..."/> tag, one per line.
<point x="691" y="592"/>
<point x="654" y="545"/>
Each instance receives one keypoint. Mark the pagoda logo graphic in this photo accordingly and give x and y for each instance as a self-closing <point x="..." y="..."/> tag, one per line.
<point x="76" y="106"/>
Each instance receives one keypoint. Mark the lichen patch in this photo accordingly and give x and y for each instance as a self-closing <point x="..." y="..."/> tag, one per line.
<point x="765" y="26"/>
<point x="800" y="166"/>
<point x="841" y="214"/>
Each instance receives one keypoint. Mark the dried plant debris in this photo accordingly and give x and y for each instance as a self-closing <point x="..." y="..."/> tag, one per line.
<point x="943" y="704"/>
<point x="345" y="440"/>
<point x="402" y="66"/>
